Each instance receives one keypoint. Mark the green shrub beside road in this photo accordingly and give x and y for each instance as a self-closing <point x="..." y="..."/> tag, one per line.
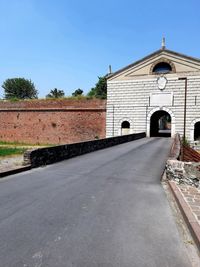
<point x="7" y="151"/>
<point x="16" y="148"/>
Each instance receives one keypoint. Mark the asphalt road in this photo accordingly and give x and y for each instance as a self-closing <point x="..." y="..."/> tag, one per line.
<point x="103" y="209"/>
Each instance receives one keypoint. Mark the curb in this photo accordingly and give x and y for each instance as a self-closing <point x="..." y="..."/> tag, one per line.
<point x="190" y="219"/>
<point x="15" y="171"/>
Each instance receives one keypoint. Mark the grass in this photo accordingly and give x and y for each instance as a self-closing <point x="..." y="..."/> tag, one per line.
<point x="17" y="148"/>
<point x="79" y="97"/>
<point x="21" y="144"/>
<point x="7" y="151"/>
<point x="14" y="143"/>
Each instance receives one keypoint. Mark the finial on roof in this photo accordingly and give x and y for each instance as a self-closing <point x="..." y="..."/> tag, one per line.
<point x="163" y="43"/>
<point x="110" y="69"/>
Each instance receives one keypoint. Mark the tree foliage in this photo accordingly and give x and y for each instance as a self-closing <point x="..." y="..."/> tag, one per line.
<point x="77" y="92"/>
<point x="55" y="93"/>
<point x="19" y="88"/>
<point x="100" y="89"/>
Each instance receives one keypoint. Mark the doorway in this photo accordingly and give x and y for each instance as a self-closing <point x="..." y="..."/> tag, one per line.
<point x="125" y="128"/>
<point x="197" y="131"/>
<point x="160" y="124"/>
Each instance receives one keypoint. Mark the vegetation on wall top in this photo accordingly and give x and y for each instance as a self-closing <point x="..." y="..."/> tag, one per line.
<point x="77" y="92"/>
<point x="23" y="89"/>
<point x="19" y="88"/>
<point x="55" y="93"/>
<point x="100" y="89"/>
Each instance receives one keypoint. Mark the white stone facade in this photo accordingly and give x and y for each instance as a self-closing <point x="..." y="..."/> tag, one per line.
<point x="133" y="94"/>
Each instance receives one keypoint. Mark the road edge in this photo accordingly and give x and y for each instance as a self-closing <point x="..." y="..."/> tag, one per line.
<point x="15" y="171"/>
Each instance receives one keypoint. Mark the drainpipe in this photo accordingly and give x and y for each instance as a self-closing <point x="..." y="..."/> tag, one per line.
<point x="146" y="117"/>
<point x="113" y="120"/>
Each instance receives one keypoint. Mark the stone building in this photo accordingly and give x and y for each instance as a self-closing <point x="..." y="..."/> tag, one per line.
<point x="149" y="96"/>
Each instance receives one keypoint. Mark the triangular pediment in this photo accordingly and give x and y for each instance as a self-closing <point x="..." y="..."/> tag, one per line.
<point x="143" y="68"/>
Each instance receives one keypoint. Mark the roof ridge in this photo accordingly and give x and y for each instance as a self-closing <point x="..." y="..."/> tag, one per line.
<point x="151" y="55"/>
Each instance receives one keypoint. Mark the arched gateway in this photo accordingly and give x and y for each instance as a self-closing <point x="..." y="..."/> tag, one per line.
<point x="151" y="92"/>
<point x="160" y="122"/>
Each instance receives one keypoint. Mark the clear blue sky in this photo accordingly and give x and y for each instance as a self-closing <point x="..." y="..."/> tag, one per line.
<point x="67" y="44"/>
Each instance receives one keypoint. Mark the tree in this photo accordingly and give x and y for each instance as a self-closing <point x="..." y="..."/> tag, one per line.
<point x="19" y="88"/>
<point x="100" y="89"/>
<point x="77" y="92"/>
<point x="55" y="93"/>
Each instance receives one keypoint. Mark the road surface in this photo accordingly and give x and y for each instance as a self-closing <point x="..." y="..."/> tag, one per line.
<point x="103" y="209"/>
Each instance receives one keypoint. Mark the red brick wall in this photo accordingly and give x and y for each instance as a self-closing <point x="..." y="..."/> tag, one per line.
<point x="52" y="121"/>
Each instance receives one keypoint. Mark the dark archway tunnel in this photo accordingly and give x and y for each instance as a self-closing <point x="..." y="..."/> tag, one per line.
<point x="160" y="124"/>
<point x="197" y="131"/>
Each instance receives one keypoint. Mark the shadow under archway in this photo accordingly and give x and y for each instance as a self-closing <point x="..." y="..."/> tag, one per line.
<point x="160" y="124"/>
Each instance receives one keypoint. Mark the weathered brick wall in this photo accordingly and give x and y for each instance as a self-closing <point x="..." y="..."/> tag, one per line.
<point x="52" y="121"/>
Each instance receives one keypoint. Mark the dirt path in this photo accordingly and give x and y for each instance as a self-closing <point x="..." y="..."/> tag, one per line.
<point x="10" y="162"/>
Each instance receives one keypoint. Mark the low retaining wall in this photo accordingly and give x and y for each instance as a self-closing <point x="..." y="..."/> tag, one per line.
<point x="44" y="156"/>
<point x="186" y="170"/>
<point x="183" y="172"/>
<point x="176" y="148"/>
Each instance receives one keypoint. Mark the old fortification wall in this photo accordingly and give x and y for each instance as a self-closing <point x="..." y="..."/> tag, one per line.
<point x="52" y="121"/>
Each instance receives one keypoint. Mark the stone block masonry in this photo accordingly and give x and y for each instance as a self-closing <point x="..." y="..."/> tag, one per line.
<point x="44" y="156"/>
<point x="52" y="121"/>
<point x="130" y="100"/>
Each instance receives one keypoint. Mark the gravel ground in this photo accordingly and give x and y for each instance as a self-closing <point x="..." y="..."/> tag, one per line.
<point x="11" y="162"/>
